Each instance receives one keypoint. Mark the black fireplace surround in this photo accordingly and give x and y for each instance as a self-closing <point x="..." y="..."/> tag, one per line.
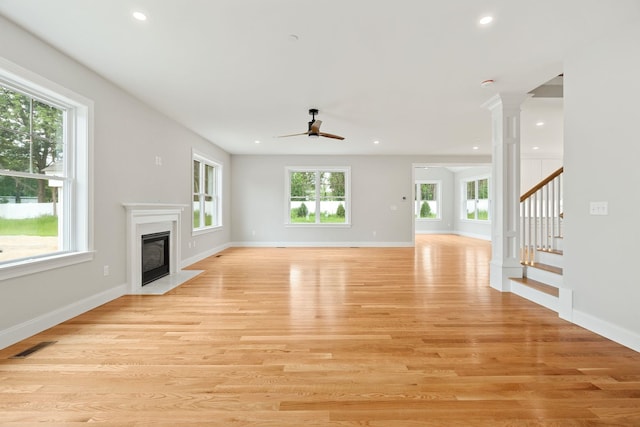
<point x="155" y="256"/>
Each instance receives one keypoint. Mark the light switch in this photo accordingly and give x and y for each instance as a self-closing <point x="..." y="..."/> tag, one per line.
<point x="599" y="208"/>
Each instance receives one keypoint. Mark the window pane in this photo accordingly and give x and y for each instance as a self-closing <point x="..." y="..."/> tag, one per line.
<point x="332" y="199"/>
<point x="29" y="210"/>
<point x="471" y="190"/>
<point x="471" y="209"/>
<point x="196" y="211"/>
<point x="483" y="199"/>
<point x="483" y="189"/>
<point x="302" y="204"/>
<point x="31" y="133"/>
<point x="15" y="111"/>
<point x="428" y="191"/>
<point x="208" y="211"/>
<point x="196" y="176"/>
<point x="14" y="151"/>
<point x="209" y="179"/>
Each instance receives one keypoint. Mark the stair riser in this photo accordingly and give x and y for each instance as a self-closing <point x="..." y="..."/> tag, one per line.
<point x="549" y="258"/>
<point x="540" y="298"/>
<point x="544" y="276"/>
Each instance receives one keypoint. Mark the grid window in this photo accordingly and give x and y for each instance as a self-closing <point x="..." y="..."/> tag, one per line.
<point x="317" y="196"/>
<point x="206" y="193"/>
<point x="44" y="174"/>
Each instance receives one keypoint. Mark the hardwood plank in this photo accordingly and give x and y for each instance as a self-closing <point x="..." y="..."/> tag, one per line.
<point x="325" y="336"/>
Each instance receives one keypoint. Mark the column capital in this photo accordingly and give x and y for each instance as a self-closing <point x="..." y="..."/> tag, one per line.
<point x="509" y="100"/>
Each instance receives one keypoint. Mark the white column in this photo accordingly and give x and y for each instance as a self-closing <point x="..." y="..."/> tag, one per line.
<point x="505" y="189"/>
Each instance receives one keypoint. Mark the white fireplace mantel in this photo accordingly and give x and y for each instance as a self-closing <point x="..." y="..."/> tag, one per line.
<point x="147" y="218"/>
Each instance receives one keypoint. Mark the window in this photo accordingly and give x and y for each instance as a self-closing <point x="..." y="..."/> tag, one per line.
<point x="44" y="174"/>
<point x="206" y="193"/>
<point x="476" y="202"/>
<point x="427" y="200"/>
<point x="317" y="196"/>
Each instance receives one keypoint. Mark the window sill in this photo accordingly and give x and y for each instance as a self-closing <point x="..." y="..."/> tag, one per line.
<point x="25" y="267"/>
<point x="477" y="221"/>
<point x="428" y="219"/>
<point x="207" y="230"/>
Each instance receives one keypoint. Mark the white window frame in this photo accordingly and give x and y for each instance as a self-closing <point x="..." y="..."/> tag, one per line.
<point x="463" y="203"/>
<point x="318" y="169"/>
<point x="217" y="196"/>
<point x="418" y="198"/>
<point x="76" y="235"/>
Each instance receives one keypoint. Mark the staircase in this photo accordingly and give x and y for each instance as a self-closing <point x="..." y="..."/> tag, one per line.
<point x="541" y="250"/>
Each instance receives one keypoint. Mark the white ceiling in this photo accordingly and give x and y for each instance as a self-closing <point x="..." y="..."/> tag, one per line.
<point x="405" y="72"/>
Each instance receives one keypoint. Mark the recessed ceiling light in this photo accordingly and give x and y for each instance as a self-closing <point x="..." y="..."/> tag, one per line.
<point x="486" y="20"/>
<point x="376" y="142"/>
<point x="257" y="142"/>
<point x="536" y="148"/>
<point x="139" y="16"/>
<point x="540" y="124"/>
<point x="475" y="147"/>
<point x="487" y="82"/>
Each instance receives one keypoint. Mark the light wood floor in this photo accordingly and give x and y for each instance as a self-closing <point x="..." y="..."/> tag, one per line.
<point x="319" y="337"/>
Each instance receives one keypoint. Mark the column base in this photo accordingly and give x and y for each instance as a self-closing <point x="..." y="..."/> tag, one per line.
<point x="500" y="274"/>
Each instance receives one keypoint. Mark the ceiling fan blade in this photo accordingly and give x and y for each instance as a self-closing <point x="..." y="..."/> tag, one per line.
<point x="293" y="134"/>
<point x="315" y="127"/>
<point x="330" y="135"/>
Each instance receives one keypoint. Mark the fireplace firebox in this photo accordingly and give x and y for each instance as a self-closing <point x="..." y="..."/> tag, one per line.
<point x="155" y="256"/>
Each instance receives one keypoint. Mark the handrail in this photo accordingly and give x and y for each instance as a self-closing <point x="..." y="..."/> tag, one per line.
<point x="541" y="218"/>
<point x="541" y="184"/>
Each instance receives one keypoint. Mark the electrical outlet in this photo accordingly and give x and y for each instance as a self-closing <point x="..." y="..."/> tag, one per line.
<point x="105" y="270"/>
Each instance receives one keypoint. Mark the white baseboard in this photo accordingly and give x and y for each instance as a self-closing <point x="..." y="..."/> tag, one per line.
<point x="608" y="330"/>
<point x="202" y="255"/>
<point x="38" y="324"/>
<point x="323" y="244"/>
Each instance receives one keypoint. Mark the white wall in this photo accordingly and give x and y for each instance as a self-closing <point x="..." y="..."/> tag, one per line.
<point x="534" y="170"/>
<point x="128" y="135"/>
<point x="601" y="154"/>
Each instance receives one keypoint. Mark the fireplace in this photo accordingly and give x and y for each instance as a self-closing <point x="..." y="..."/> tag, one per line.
<point x="151" y="219"/>
<point x="155" y="256"/>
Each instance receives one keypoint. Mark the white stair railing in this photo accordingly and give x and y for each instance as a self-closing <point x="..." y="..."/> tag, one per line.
<point x="541" y="217"/>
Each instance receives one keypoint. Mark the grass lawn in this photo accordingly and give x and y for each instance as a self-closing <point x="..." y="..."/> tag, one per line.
<point x="46" y="225"/>
<point x="311" y="218"/>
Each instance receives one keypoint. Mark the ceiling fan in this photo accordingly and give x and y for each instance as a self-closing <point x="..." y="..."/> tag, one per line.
<point x="314" y="128"/>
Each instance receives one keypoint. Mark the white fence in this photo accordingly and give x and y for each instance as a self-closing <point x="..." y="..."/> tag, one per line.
<point x="25" y="210"/>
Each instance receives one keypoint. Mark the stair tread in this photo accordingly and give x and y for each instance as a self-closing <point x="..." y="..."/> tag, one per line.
<point x="542" y="287"/>
<point x="546" y="267"/>
<point x="552" y="251"/>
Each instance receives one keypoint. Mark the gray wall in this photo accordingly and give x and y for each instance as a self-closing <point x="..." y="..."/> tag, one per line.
<point x="601" y="153"/>
<point x="128" y="135"/>
<point x="377" y="184"/>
